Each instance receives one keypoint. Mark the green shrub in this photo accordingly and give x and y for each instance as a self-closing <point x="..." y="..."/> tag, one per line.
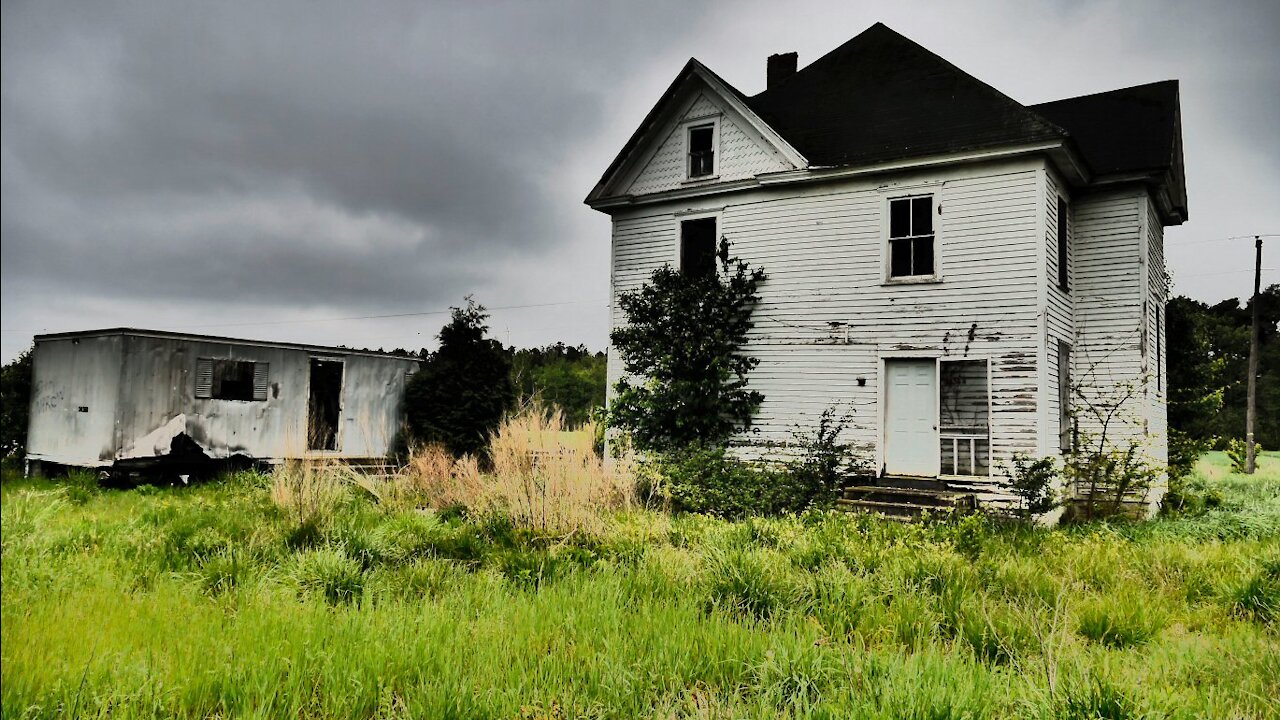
<point x="1238" y="452"/>
<point x="825" y="464"/>
<point x="1258" y="598"/>
<point x="704" y="479"/>
<point x="223" y="571"/>
<point x="1033" y="482"/>
<point x="1097" y="700"/>
<point x="422" y="578"/>
<point x="752" y="583"/>
<point x="330" y="573"/>
<point x="682" y="341"/>
<point x="1120" y="622"/>
<point x="1184" y="451"/>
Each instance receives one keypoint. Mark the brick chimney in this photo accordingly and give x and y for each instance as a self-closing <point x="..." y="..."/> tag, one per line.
<point x="781" y="67"/>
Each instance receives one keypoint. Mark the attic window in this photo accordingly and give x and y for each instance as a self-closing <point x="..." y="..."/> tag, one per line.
<point x="702" y="153"/>
<point x="911" y="237"/>
<point x="698" y="247"/>
<point x="231" y="379"/>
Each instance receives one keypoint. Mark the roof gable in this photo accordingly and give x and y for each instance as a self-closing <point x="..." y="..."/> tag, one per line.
<point x="694" y="80"/>
<point x="883" y="97"/>
<point x="1128" y="132"/>
<point x="740" y="153"/>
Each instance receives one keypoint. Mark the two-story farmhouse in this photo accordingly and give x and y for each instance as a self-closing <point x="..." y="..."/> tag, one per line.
<point x="942" y="260"/>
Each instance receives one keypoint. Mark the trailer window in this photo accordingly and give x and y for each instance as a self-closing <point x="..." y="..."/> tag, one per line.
<point x="220" y="379"/>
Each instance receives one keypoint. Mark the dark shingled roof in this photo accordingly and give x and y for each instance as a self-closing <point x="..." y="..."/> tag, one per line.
<point x="880" y="97"/>
<point x="1136" y="130"/>
<point x="1121" y="131"/>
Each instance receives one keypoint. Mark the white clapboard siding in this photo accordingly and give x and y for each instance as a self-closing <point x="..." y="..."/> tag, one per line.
<point x="1059" y="311"/>
<point x="1157" y="376"/>
<point x="826" y="318"/>
<point x="1109" y="294"/>
<point x="738" y="156"/>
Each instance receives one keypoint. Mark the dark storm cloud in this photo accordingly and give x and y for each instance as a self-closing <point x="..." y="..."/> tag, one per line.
<point x="296" y="152"/>
<point x="195" y="165"/>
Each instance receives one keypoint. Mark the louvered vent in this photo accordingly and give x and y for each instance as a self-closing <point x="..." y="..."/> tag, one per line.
<point x="204" y="378"/>
<point x="260" y="381"/>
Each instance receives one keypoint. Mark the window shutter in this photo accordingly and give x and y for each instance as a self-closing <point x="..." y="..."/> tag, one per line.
<point x="260" y="381"/>
<point x="204" y="378"/>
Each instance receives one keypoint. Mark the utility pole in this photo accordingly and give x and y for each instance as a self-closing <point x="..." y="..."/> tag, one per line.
<point x="1251" y="450"/>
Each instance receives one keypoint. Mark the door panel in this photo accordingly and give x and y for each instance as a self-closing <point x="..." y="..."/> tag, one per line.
<point x="911" y="419"/>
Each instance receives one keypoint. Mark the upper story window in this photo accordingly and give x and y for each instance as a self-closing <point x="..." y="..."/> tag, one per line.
<point x="1064" y="281"/>
<point x="702" y="150"/>
<point x="231" y="379"/>
<point x="911" y="237"/>
<point x="698" y="247"/>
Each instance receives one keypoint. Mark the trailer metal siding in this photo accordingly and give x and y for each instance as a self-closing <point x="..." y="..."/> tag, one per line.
<point x="141" y="391"/>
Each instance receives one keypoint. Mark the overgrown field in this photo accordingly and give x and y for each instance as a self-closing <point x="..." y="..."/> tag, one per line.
<point x="214" y="601"/>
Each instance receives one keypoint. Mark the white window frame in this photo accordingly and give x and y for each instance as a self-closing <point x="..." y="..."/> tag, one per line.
<point x="712" y="121"/>
<point x="931" y="190"/>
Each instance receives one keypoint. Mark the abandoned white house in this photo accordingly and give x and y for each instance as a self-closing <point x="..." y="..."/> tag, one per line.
<point x="132" y="398"/>
<point x="942" y="261"/>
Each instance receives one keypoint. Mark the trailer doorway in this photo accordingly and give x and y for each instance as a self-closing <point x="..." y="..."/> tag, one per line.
<point x="324" y="404"/>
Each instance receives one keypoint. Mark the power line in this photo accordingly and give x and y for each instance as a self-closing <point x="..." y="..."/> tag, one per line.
<point x="356" y="317"/>
<point x="1223" y="239"/>
<point x="1224" y="272"/>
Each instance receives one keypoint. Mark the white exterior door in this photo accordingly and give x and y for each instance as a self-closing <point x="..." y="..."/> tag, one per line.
<point x="911" y="418"/>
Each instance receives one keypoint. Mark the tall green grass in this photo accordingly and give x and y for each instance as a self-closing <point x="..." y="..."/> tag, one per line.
<point x="209" y="602"/>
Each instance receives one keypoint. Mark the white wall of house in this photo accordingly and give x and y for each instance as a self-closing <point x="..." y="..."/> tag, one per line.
<point x="828" y="317"/>
<point x="1119" y="314"/>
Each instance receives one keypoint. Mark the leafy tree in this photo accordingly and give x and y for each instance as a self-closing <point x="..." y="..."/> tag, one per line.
<point x="681" y="347"/>
<point x="1195" y="369"/>
<point x="1208" y="364"/>
<point x="462" y="390"/>
<point x="15" y="405"/>
<point x="570" y="378"/>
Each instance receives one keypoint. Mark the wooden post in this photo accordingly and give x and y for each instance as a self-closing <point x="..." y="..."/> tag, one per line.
<point x="1251" y="413"/>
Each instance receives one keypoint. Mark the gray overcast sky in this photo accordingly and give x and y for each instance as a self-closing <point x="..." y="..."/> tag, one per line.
<point x="259" y="169"/>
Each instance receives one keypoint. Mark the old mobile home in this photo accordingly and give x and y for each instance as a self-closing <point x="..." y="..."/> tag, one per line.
<point x="132" y="398"/>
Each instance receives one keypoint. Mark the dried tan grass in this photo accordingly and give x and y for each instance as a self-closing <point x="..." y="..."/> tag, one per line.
<point x="545" y="477"/>
<point x="433" y="478"/>
<point x="548" y="478"/>
<point x="310" y="490"/>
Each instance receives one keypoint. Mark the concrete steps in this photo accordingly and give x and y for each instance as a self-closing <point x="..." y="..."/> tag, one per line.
<point x="899" y="500"/>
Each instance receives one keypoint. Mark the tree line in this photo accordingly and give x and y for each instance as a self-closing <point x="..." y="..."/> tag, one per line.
<point x="470" y="380"/>
<point x="458" y="396"/>
<point x="1208" y="359"/>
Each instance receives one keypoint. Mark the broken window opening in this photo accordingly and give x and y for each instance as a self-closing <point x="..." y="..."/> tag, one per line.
<point x="1063" y="255"/>
<point x="702" y="154"/>
<point x="324" y="404"/>
<point x="964" y="410"/>
<point x="1064" y="397"/>
<point x="242" y="380"/>
<point x="698" y="247"/>
<point x="911" y="236"/>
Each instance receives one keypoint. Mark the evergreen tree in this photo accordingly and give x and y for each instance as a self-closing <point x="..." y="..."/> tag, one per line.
<point x="15" y="405"/>
<point x="462" y="390"/>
